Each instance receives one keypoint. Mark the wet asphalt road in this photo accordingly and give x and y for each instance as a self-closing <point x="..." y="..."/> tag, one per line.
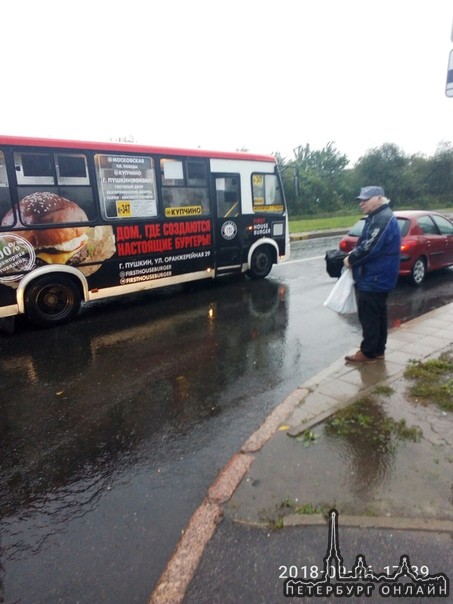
<point x="113" y="427"/>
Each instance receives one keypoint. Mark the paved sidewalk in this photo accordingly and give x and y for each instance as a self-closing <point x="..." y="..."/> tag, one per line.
<point x="266" y="512"/>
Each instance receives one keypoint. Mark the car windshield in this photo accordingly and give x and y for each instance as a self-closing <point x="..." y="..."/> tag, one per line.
<point x="357" y="229"/>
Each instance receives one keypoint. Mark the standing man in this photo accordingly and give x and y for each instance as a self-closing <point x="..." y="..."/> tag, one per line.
<point x="375" y="262"/>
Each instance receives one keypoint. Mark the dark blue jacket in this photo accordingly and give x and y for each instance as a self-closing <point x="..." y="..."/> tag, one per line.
<point x="376" y="259"/>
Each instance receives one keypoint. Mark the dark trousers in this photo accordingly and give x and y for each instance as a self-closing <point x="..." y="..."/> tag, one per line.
<point x="372" y="308"/>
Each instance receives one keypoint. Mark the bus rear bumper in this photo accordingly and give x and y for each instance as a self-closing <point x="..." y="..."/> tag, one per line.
<point x="284" y="258"/>
<point x="8" y="318"/>
<point x="9" y="311"/>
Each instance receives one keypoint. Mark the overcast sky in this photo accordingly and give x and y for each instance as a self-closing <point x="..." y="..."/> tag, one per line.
<point x="260" y="74"/>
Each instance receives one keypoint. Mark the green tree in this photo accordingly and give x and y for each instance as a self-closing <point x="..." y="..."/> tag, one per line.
<point x="313" y="178"/>
<point x="414" y="187"/>
<point x="384" y="166"/>
<point x="439" y="173"/>
<point x="320" y="181"/>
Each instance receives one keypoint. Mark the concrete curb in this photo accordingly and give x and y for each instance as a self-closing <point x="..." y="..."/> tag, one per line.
<point x="317" y="234"/>
<point x="183" y="564"/>
<point x="374" y="522"/>
<point x="368" y="522"/>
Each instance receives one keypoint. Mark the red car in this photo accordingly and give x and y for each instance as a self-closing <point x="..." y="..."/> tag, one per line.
<point x="426" y="244"/>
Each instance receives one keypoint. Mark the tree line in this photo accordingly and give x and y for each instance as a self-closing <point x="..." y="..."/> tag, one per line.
<point x="320" y="181"/>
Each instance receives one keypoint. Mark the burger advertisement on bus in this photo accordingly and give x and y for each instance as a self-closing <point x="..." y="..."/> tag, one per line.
<point x="61" y="225"/>
<point x="87" y="248"/>
<point x="79" y="246"/>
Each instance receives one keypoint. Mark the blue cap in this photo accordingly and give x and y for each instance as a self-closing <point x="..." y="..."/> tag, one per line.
<point x="369" y="192"/>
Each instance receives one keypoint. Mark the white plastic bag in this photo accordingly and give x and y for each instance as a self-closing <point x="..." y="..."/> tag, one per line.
<point x="342" y="298"/>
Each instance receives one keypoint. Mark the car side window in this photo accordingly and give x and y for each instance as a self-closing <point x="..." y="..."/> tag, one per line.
<point x="445" y="226"/>
<point x="427" y="225"/>
<point x="404" y="225"/>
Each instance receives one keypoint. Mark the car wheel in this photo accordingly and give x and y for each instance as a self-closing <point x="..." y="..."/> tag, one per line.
<point x="52" y="300"/>
<point x="261" y="262"/>
<point x="418" y="271"/>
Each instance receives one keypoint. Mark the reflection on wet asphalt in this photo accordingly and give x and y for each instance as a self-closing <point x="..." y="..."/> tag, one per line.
<point x="109" y="414"/>
<point x="112" y="427"/>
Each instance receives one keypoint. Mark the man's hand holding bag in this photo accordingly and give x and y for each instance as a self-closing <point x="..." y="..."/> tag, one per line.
<point x="342" y="298"/>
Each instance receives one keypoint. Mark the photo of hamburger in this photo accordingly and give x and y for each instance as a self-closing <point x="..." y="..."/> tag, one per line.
<point x="63" y="245"/>
<point x="83" y="246"/>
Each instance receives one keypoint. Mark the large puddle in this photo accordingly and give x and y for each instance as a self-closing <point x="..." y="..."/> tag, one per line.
<point x="384" y="455"/>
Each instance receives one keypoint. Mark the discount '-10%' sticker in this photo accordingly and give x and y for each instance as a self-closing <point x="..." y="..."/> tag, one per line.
<point x="17" y="256"/>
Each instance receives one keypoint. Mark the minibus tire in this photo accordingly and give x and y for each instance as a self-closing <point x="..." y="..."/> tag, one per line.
<point x="261" y="262"/>
<point x="52" y="300"/>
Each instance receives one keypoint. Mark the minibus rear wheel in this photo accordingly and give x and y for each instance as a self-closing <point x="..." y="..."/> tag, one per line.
<point x="52" y="300"/>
